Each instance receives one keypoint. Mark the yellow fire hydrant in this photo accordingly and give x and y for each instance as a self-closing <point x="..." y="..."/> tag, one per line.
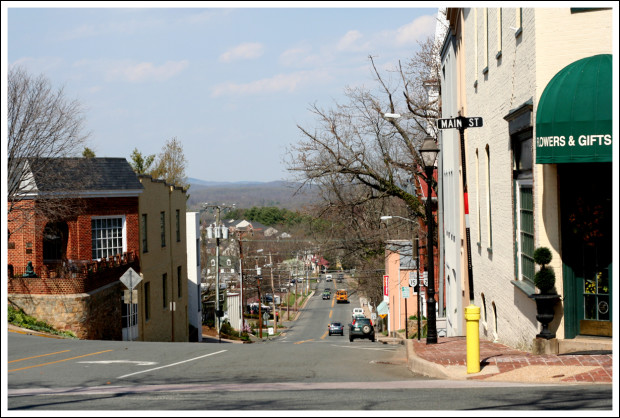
<point x="472" y="317"/>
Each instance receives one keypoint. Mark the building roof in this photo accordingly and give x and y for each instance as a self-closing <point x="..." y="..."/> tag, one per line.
<point x="403" y="248"/>
<point x="83" y="177"/>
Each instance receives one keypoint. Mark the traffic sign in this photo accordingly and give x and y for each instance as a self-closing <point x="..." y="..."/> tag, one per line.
<point x="405" y="291"/>
<point x="130" y="278"/>
<point x="459" y="123"/>
<point x="413" y="278"/>
<point x="424" y="281"/>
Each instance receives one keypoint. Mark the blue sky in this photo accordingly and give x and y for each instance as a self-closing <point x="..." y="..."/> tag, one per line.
<point x="231" y="83"/>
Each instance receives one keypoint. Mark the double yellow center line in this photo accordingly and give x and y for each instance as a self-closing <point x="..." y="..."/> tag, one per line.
<point x="51" y="362"/>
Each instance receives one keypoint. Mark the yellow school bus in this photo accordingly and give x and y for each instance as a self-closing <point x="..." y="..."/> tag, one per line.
<point x="342" y="296"/>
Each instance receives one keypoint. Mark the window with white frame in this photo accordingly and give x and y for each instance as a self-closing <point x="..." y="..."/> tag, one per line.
<point x="108" y="236"/>
<point x="525" y="231"/>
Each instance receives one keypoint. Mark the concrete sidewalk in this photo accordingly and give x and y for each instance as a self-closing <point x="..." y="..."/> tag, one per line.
<point x="448" y="360"/>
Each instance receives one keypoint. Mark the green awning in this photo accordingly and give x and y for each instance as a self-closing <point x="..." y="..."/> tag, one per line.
<point x="574" y="115"/>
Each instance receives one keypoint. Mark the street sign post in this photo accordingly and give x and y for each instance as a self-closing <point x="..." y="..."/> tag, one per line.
<point x="461" y="123"/>
<point x="130" y="279"/>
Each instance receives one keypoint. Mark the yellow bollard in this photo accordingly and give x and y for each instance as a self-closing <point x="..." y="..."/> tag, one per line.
<point x="472" y="316"/>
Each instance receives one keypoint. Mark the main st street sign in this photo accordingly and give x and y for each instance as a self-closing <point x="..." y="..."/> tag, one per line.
<point x="459" y="123"/>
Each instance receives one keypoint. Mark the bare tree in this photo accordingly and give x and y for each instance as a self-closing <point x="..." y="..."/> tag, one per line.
<point x="171" y="163"/>
<point x="43" y="124"/>
<point x="365" y="163"/>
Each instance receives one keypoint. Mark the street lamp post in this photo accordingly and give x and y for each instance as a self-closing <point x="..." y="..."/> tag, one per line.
<point x="429" y="153"/>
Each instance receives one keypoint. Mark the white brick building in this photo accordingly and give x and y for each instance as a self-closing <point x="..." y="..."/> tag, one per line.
<point x="497" y="64"/>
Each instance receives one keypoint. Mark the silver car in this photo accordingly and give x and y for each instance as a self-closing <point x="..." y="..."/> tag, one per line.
<point x="336" y="328"/>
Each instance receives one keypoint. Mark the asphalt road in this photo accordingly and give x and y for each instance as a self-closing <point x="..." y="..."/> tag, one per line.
<point x="304" y="369"/>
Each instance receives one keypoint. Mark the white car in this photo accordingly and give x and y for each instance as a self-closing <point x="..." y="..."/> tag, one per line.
<point x="328" y="277"/>
<point x="358" y="311"/>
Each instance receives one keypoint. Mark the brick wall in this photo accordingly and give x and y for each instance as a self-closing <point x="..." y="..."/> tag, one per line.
<point x="26" y="243"/>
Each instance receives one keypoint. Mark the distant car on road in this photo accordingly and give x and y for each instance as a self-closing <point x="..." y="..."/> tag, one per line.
<point x="358" y="311"/>
<point x="336" y="328"/>
<point x="328" y="277"/>
<point x="326" y="295"/>
<point x="361" y="328"/>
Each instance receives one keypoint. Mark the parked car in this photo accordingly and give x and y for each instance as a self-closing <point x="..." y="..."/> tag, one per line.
<point x="336" y="328"/>
<point x="358" y="311"/>
<point x="361" y="328"/>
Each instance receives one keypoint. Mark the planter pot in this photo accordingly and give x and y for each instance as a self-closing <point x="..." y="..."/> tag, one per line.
<point x="545" y="312"/>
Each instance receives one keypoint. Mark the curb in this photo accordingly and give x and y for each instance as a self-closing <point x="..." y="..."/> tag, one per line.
<point x="427" y="368"/>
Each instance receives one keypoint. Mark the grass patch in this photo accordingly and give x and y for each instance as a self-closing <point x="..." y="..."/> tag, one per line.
<point x="19" y="318"/>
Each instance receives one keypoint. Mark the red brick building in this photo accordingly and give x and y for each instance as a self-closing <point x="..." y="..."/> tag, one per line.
<point x="78" y="246"/>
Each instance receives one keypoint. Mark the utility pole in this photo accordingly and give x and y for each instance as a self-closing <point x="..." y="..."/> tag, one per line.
<point x="217" y="231"/>
<point x="260" y="315"/>
<point x="273" y="298"/>
<point x="241" y="304"/>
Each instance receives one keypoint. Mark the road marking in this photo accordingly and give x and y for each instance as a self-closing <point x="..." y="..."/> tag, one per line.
<point x="59" y="361"/>
<point x="160" y="390"/>
<point x="173" y="364"/>
<point x="366" y="348"/>
<point x="42" y="355"/>
<point x="137" y="363"/>
<point x="324" y="335"/>
<point x="36" y="334"/>
<point x="305" y="341"/>
<point x="330" y="314"/>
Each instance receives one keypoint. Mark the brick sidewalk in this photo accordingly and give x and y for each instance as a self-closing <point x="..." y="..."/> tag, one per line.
<point x="569" y="368"/>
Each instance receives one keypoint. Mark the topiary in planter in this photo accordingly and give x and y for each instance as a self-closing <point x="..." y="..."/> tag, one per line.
<point x="544" y="279"/>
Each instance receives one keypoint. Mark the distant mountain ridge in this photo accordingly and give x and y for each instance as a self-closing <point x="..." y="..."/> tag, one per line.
<point x="199" y="182"/>
<point x="247" y="194"/>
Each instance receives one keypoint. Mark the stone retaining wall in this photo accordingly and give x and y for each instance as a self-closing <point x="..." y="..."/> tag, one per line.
<point x="92" y="316"/>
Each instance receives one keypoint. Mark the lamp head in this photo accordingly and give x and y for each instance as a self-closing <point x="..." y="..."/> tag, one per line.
<point x="429" y="152"/>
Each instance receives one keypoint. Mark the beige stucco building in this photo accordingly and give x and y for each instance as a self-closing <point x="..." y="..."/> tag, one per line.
<point x="163" y="291"/>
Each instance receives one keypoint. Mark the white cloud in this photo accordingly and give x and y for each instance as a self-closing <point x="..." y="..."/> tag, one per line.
<point x="347" y="42"/>
<point x="144" y="71"/>
<point x="277" y="83"/>
<point x="301" y="57"/>
<point x="249" y="50"/>
<point x="416" y="30"/>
